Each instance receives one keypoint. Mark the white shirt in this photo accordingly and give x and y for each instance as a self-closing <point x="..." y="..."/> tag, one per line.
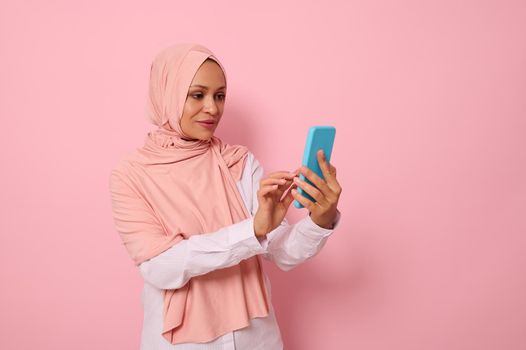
<point x="287" y="246"/>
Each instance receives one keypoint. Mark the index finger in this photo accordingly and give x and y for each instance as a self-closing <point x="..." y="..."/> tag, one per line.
<point x="325" y="167"/>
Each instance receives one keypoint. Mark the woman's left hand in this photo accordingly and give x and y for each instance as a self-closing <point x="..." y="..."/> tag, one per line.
<point x="327" y="193"/>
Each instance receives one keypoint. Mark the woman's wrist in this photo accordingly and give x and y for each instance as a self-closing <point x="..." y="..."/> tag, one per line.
<point x="327" y="224"/>
<point x="259" y="232"/>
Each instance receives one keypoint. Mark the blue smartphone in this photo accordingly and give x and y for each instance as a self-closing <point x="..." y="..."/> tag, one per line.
<point x="319" y="137"/>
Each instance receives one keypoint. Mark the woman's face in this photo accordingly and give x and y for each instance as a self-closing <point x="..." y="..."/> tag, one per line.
<point x="204" y="102"/>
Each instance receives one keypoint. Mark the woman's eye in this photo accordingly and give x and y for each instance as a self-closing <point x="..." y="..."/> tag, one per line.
<point x="199" y="96"/>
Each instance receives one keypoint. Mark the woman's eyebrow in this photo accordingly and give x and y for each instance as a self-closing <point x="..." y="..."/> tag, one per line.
<point x="205" y="87"/>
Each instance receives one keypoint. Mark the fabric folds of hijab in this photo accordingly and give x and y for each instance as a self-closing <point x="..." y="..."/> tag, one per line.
<point x="173" y="188"/>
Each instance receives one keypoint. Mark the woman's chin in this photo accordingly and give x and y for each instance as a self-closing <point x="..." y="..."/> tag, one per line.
<point x="205" y="136"/>
<point x="208" y="133"/>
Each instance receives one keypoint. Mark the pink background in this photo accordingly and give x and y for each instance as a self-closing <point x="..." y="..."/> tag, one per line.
<point x="428" y="98"/>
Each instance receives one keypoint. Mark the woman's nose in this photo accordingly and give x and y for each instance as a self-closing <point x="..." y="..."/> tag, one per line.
<point x="210" y="106"/>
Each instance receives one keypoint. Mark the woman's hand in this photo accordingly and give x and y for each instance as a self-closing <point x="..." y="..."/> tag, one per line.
<point x="271" y="208"/>
<point x="327" y="193"/>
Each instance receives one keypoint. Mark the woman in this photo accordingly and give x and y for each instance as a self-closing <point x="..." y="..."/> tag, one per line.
<point x="195" y="214"/>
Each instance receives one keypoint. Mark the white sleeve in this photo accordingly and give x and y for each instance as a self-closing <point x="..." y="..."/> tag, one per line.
<point x="290" y="245"/>
<point x="203" y="253"/>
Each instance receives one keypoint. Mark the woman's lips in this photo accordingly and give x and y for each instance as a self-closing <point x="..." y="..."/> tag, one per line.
<point x="208" y="125"/>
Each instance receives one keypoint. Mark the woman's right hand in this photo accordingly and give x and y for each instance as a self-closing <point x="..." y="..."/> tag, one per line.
<point x="271" y="208"/>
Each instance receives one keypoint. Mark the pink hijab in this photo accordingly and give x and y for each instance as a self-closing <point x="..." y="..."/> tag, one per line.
<point x="171" y="189"/>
